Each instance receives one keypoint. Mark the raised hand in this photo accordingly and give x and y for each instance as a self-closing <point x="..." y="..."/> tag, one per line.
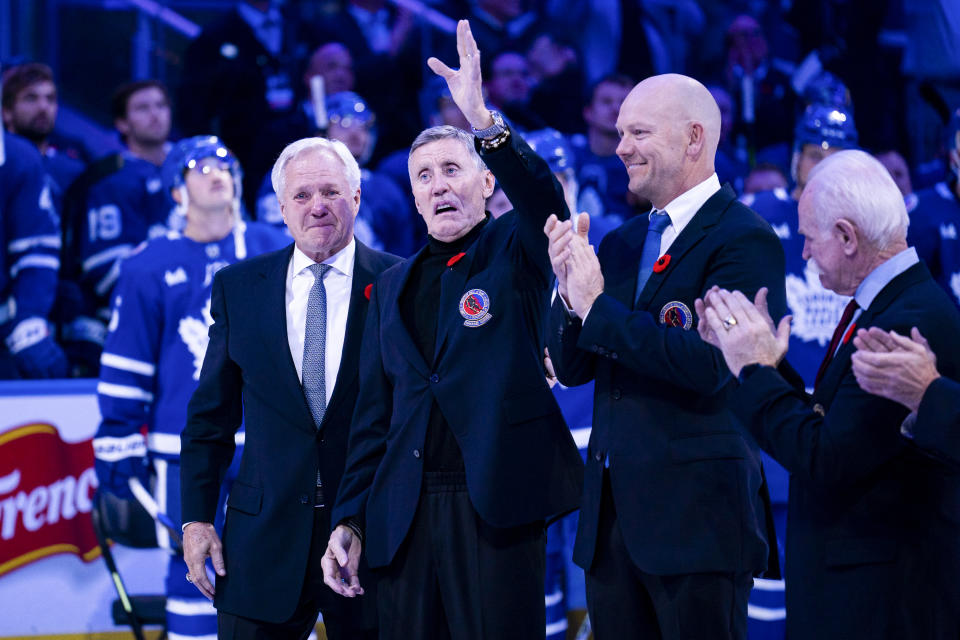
<point x="465" y="83"/>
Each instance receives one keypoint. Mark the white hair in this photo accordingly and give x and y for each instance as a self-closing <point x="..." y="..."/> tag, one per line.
<point x="304" y="146"/>
<point x="852" y="184"/>
<point x="447" y="132"/>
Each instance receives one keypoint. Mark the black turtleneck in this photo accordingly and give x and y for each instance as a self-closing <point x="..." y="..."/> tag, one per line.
<point x="420" y="313"/>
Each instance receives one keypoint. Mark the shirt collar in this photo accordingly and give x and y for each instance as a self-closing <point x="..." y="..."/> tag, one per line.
<point x="880" y="277"/>
<point x="341" y="261"/>
<point x="682" y="208"/>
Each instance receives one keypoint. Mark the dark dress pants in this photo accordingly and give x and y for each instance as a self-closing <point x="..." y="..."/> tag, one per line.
<point x="343" y="618"/>
<point x="457" y="578"/>
<point x="626" y="603"/>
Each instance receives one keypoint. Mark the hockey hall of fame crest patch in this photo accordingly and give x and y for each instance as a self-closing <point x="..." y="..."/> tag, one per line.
<point x="475" y="308"/>
<point x="676" y="314"/>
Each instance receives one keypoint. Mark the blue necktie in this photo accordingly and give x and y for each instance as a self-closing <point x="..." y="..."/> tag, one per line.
<point x="314" y="369"/>
<point x="651" y="249"/>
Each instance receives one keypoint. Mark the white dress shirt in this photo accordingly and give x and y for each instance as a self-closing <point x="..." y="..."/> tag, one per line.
<point x="337" y="282"/>
<point x="682" y="209"/>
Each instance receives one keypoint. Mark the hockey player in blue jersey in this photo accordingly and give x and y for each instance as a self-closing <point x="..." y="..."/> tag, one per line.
<point x="935" y="221"/>
<point x="29" y="250"/>
<point x="124" y="205"/>
<point x="156" y="342"/>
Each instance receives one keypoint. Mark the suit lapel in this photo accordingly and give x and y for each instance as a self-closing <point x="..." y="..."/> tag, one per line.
<point x="398" y="328"/>
<point x="273" y="280"/>
<point x="363" y="275"/>
<point x="707" y="216"/>
<point x="841" y="362"/>
<point x="452" y="284"/>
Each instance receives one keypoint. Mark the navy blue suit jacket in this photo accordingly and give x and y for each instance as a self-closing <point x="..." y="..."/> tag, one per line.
<point x="248" y="374"/>
<point x="520" y="459"/>
<point x="937" y="428"/>
<point x="687" y="481"/>
<point x="873" y="540"/>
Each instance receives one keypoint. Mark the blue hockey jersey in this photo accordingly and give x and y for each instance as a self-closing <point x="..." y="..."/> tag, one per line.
<point x="122" y="210"/>
<point x="816" y="311"/>
<point x="935" y="232"/>
<point x="157" y="336"/>
<point x="29" y="236"/>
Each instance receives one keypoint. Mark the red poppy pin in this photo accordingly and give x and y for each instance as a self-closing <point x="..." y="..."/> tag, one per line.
<point x="452" y="261"/>
<point x="662" y="263"/>
<point x="367" y="290"/>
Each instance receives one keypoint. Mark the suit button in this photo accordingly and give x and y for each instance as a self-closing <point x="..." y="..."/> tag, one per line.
<point x="598" y="456"/>
<point x="615" y="394"/>
<point x="304" y="499"/>
<point x="613" y="355"/>
<point x="416" y="453"/>
<point x="434" y="378"/>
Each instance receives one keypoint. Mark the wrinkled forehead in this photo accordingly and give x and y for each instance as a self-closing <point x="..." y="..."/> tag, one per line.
<point x="439" y="153"/>
<point x="314" y="165"/>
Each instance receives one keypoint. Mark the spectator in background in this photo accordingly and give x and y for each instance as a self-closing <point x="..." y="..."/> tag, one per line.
<point x="30" y="111"/>
<point x="238" y="83"/>
<point x="557" y="82"/>
<point x="759" y="86"/>
<point x="731" y="161"/>
<point x="765" y="177"/>
<point x="931" y="67"/>
<point x="509" y="89"/>
<point x="502" y="25"/>
<point x="385" y="220"/>
<point x="156" y="344"/>
<point x="385" y="44"/>
<point x="603" y="183"/>
<point x="121" y="205"/>
<point x="28" y="265"/>
<point x="935" y="222"/>
<point x="333" y="63"/>
<point x="896" y="166"/>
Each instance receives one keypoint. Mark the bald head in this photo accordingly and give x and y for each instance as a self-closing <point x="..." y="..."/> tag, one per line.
<point x="670" y="130"/>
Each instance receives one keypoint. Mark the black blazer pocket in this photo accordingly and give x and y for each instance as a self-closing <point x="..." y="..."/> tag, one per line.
<point x="715" y="446"/>
<point x="245" y="498"/>
<point x="850" y="552"/>
<point x="529" y="405"/>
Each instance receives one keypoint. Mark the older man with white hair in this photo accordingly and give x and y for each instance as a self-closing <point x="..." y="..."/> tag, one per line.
<point x="282" y="359"/>
<point x="873" y="545"/>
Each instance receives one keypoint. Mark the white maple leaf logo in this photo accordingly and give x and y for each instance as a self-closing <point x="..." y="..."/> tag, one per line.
<point x="194" y="333"/>
<point x="816" y="311"/>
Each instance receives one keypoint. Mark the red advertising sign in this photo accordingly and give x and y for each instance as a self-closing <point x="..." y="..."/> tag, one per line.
<point x="46" y="494"/>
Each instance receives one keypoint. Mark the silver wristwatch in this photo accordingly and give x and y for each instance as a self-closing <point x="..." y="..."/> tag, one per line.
<point x="494" y="130"/>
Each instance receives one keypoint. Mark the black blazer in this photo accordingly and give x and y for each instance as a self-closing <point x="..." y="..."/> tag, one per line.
<point x="521" y="462"/>
<point x="687" y="482"/>
<point x="873" y="541"/>
<point x="248" y="375"/>
<point x="937" y="429"/>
